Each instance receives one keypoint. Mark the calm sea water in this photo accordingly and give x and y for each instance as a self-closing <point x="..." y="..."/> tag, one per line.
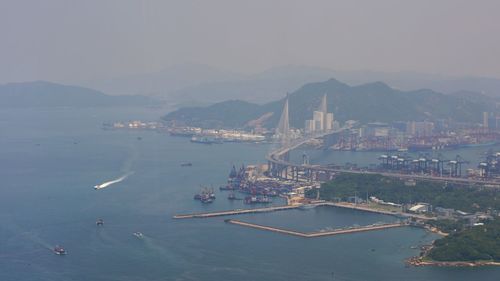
<point x="51" y="159"/>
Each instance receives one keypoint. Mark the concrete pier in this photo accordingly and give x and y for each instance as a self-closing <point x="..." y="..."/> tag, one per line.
<point x="235" y="212"/>
<point x="319" y="233"/>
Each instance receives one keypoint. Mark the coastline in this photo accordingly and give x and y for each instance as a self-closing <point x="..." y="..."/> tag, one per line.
<point x="419" y="261"/>
<point x="423" y="260"/>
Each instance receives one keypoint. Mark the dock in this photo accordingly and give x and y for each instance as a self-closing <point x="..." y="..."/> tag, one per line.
<point x="235" y="212"/>
<point x="318" y="233"/>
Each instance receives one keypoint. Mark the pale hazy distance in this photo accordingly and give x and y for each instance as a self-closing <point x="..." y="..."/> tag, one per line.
<point x="70" y="41"/>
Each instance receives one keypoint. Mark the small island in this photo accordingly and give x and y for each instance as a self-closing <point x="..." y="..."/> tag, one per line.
<point x="466" y="216"/>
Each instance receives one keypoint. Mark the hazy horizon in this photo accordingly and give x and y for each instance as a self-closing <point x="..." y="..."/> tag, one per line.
<point x="82" y="41"/>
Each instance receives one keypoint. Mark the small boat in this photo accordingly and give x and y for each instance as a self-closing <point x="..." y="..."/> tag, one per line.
<point x="138" y="235"/>
<point x="188" y="164"/>
<point x="99" y="222"/>
<point x="58" y="250"/>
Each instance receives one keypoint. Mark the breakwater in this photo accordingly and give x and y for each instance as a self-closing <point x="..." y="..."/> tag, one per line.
<point x="318" y="233"/>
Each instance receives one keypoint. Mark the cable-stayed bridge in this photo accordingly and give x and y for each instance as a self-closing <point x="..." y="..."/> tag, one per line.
<point x="279" y="164"/>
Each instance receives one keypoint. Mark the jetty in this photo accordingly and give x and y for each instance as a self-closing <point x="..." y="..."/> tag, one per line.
<point x="318" y="233"/>
<point x="236" y="212"/>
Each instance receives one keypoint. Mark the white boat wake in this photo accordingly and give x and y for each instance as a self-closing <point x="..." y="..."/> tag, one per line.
<point x="108" y="183"/>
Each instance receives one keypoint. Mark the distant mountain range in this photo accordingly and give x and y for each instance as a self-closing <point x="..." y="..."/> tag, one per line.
<point x="367" y="102"/>
<point x="47" y="94"/>
<point x="193" y="83"/>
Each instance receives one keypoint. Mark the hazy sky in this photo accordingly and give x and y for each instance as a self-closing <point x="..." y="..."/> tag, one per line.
<point x="82" y="40"/>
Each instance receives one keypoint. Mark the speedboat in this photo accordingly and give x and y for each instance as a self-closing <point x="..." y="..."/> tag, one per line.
<point x="58" y="250"/>
<point x="99" y="222"/>
<point x="138" y="235"/>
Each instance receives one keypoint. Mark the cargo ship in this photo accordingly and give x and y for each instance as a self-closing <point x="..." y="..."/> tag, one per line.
<point x="205" y="140"/>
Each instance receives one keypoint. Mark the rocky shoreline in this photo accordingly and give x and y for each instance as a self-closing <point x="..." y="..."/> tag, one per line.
<point x="419" y="261"/>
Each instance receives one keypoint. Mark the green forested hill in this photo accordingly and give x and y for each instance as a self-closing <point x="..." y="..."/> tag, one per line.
<point x="479" y="243"/>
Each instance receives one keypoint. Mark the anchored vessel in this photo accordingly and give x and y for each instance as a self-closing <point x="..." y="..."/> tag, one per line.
<point x="205" y="196"/>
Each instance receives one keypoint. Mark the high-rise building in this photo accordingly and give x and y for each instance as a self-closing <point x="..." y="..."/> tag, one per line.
<point x="322" y="120"/>
<point x="491" y="120"/>
<point x="329" y="121"/>
<point x="486" y="116"/>
<point x="309" y="128"/>
<point x="318" y="120"/>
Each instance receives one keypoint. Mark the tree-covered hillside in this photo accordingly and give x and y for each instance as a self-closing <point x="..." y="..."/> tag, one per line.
<point x="468" y="199"/>
<point x="479" y="243"/>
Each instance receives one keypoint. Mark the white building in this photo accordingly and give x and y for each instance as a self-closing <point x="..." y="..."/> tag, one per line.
<point x="329" y="121"/>
<point x="318" y="118"/>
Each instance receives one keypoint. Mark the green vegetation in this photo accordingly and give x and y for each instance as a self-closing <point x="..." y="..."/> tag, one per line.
<point x="394" y="190"/>
<point x="448" y="226"/>
<point x="479" y="243"/>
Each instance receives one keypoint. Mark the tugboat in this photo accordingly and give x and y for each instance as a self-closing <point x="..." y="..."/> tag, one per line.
<point x="58" y="250"/>
<point x="205" y="196"/>
<point x="99" y="222"/>
<point x="138" y="235"/>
